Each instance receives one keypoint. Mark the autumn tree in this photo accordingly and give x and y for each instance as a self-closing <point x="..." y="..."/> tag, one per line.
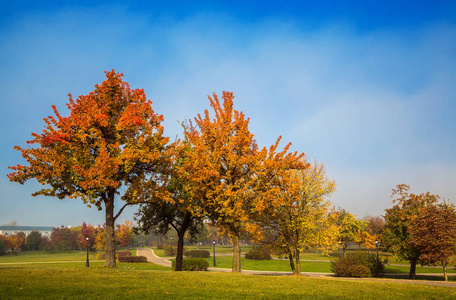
<point x="434" y="235"/>
<point x="230" y="175"/>
<point x="5" y="241"/>
<point x="63" y="238"/>
<point x="100" y="240"/>
<point x="87" y="231"/>
<point x="111" y="138"/>
<point x="349" y="228"/>
<point x="396" y="237"/>
<point x="16" y="241"/>
<point x="297" y="224"/>
<point x="124" y="233"/>
<point x="2" y="246"/>
<point x="375" y="224"/>
<point x="34" y="240"/>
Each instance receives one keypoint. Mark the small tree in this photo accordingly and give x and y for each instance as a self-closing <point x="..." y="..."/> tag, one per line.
<point x="16" y="241"/>
<point x="100" y="238"/>
<point x="2" y="246"/>
<point x="434" y="235"/>
<point x="34" y="240"/>
<point x="296" y="223"/>
<point x="349" y="229"/>
<point x="124" y="234"/>
<point x="375" y="224"/>
<point x="400" y="219"/>
<point x="87" y="231"/>
<point x="63" y="238"/>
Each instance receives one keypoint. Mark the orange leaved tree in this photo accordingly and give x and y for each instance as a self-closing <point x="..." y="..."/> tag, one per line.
<point x="434" y="235"/>
<point x="124" y="233"/>
<point x="230" y="175"/>
<point x="397" y="237"/>
<point x="111" y="138"/>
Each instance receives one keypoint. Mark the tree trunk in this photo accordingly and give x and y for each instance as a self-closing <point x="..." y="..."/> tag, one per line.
<point x="236" y="253"/>
<point x="180" y="250"/>
<point x="110" y="251"/>
<point x="412" y="274"/>
<point x="290" y="257"/>
<point x="298" y="263"/>
<point x="445" y="275"/>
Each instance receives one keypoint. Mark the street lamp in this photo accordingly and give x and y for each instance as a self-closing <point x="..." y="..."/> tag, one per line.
<point x="87" y="246"/>
<point x="377" y="245"/>
<point x="340" y="248"/>
<point x="213" y="244"/>
<point x="171" y="246"/>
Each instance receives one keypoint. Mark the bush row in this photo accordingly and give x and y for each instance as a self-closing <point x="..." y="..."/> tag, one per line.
<point x="192" y="264"/>
<point x="258" y="253"/>
<point x="359" y="265"/>
<point x="133" y="259"/>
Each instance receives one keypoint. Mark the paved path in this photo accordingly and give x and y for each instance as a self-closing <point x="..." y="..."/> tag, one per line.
<point x="149" y="253"/>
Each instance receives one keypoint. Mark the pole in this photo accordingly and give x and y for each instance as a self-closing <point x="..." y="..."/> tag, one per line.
<point x="171" y="246"/>
<point x="87" y="246"/>
<point x="377" y="245"/>
<point x="213" y="244"/>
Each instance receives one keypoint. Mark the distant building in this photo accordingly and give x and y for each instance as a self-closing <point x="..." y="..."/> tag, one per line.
<point x="8" y="230"/>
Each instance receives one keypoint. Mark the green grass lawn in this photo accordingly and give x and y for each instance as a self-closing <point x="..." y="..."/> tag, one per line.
<point x="102" y="283"/>
<point x="321" y="264"/>
<point x="271" y="265"/>
<point x="33" y="275"/>
<point x="44" y="256"/>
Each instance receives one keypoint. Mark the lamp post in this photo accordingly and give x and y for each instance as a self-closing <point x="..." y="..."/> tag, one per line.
<point x="377" y="245"/>
<point x="171" y="246"/>
<point x="340" y="248"/>
<point x="87" y="246"/>
<point x="213" y="244"/>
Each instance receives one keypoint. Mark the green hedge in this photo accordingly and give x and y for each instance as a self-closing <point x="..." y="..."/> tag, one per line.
<point x="133" y="259"/>
<point x="192" y="264"/>
<point x="198" y="254"/>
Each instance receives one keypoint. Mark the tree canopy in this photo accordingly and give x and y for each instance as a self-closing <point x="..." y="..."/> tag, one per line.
<point x="111" y="138"/>
<point x="400" y="219"/>
<point x="231" y="176"/>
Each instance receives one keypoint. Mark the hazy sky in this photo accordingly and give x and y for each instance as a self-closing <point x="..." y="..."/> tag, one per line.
<point x="368" y="88"/>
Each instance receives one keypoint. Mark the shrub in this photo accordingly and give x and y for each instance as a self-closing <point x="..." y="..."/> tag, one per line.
<point x="133" y="259"/>
<point x="192" y="264"/>
<point x="358" y="265"/>
<point x="258" y="253"/>
<point x="198" y="254"/>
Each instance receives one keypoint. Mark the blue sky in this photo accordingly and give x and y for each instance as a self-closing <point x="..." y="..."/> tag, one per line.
<point x="367" y="87"/>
